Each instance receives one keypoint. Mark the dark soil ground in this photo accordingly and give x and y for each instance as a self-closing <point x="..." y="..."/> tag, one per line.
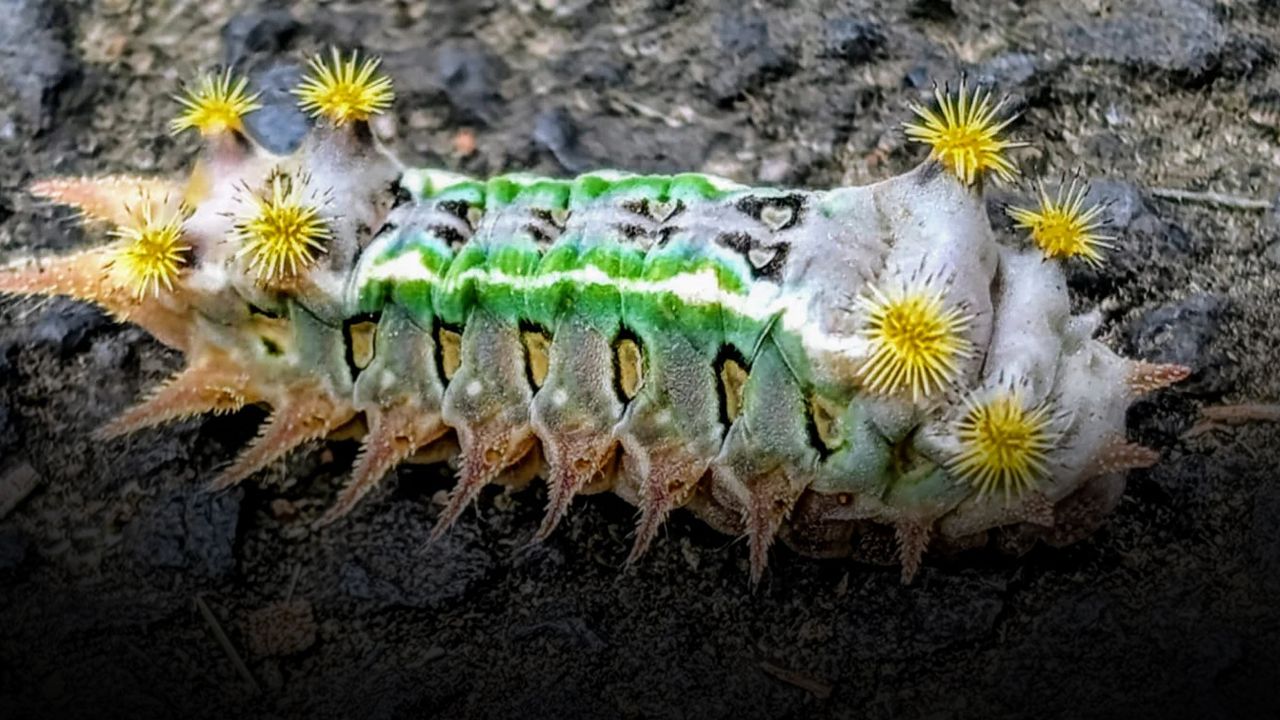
<point x="126" y="589"/>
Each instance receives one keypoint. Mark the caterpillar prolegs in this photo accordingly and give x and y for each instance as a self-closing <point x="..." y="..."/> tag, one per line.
<point x="861" y="371"/>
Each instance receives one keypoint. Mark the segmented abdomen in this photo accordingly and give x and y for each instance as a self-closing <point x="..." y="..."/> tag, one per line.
<point x="606" y="313"/>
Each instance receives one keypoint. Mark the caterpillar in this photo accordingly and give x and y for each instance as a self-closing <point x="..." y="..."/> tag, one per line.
<point x="858" y="372"/>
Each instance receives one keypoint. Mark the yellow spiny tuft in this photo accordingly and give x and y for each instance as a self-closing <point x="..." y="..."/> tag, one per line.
<point x="344" y="90"/>
<point x="1004" y="445"/>
<point x="916" y="341"/>
<point x="1062" y="227"/>
<point x="966" y="136"/>
<point x="215" y="105"/>
<point x="150" y="254"/>
<point x="283" y="234"/>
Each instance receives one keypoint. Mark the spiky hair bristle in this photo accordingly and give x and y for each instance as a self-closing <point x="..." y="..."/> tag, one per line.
<point x="1004" y="445"/>
<point x="1063" y="226"/>
<point x="344" y="90"/>
<point x="216" y="103"/>
<point x="965" y="133"/>
<point x="150" y="252"/>
<point x="284" y="233"/>
<point x="916" y="340"/>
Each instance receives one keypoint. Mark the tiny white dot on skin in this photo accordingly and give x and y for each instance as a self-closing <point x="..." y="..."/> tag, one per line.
<point x="663" y="418"/>
<point x="559" y="397"/>
<point x="474" y="387"/>
<point x="387" y="379"/>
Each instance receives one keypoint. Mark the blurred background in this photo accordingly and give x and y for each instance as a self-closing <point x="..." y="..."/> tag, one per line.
<point x="128" y="590"/>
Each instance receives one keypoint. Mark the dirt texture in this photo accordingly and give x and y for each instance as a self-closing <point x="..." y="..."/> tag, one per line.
<point x="128" y="590"/>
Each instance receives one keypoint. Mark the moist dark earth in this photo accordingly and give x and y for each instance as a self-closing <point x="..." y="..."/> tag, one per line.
<point x="128" y="590"/>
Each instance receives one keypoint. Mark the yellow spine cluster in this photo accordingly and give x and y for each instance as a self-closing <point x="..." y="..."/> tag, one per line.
<point x="916" y="341"/>
<point x="283" y="235"/>
<point x="150" y="253"/>
<point x="344" y="91"/>
<point x="1004" y="445"/>
<point x="215" y="104"/>
<point x="965" y="133"/>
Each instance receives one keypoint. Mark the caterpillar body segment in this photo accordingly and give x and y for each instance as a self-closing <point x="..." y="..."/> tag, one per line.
<point x="859" y="371"/>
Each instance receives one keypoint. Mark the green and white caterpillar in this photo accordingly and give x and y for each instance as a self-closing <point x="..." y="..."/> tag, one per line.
<point x="858" y="371"/>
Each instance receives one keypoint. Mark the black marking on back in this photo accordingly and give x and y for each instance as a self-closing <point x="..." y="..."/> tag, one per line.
<point x="816" y="441"/>
<point x="540" y="236"/>
<point x="270" y="346"/>
<point x="638" y="234"/>
<point x="449" y="234"/>
<point x="527" y="327"/>
<point x="456" y="208"/>
<point x="766" y="262"/>
<point x="399" y="194"/>
<point x="264" y="312"/>
<point x="758" y="208"/>
<point x="637" y="206"/>
<point x="549" y="217"/>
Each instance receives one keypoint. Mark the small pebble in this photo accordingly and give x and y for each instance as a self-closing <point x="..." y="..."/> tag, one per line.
<point x="282" y="628"/>
<point x="15" y="485"/>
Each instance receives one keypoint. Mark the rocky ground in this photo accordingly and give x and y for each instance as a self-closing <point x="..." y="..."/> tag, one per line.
<point x="127" y="590"/>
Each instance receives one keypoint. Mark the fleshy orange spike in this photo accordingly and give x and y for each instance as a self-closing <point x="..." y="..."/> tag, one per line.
<point x="110" y="198"/>
<point x="486" y="452"/>
<point x="671" y="479"/>
<point x="395" y="433"/>
<point x="574" y="461"/>
<point x="1145" y="377"/>
<point x="913" y="541"/>
<point x="86" y="275"/>
<point x="1220" y="416"/>
<point x="655" y="506"/>
<point x="771" y="500"/>
<point x="1120" y="455"/>
<point x="213" y="386"/>
<point x="310" y="413"/>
